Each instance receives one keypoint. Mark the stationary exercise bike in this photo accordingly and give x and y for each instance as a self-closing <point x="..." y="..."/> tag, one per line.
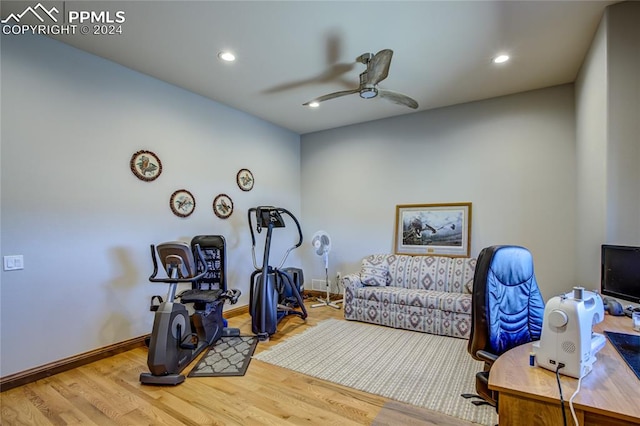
<point x="177" y="337"/>
<point x="274" y="291"/>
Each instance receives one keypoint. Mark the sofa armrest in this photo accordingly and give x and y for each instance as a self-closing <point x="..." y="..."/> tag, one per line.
<point x="352" y="281"/>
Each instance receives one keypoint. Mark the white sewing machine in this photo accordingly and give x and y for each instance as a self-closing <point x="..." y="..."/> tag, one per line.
<point x="567" y="336"/>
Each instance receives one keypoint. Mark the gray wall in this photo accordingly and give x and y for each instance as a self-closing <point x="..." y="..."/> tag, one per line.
<point x="84" y="222"/>
<point x="623" y="130"/>
<point x="591" y="158"/>
<point x="608" y="140"/>
<point x="513" y="157"/>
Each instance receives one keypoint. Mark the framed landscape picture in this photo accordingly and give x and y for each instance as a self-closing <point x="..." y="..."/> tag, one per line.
<point x="433" y="229"/>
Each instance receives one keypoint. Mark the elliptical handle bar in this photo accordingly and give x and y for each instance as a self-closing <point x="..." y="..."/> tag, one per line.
<point x="153" y="278"/>
<point x="253" y="237"/>
<point x="297" y="225"/>
<point x="284" y="258"/>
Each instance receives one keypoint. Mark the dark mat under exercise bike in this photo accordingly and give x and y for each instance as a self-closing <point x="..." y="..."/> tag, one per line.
<point x="230" y="356"/>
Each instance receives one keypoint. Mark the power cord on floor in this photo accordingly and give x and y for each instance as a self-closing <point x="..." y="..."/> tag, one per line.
<point x="564" y="416"/>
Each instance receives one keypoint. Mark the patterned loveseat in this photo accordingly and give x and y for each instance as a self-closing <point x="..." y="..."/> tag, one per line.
<point x="431" y="294"/>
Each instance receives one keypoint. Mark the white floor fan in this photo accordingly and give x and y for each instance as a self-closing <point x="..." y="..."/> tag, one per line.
<point x="321" y="243"/>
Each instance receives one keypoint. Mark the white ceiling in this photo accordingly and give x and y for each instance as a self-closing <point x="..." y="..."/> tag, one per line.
<point x="291" y="52"/>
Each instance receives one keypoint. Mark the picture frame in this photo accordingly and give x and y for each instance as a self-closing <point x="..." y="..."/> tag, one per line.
<point x="245" y="180"/>
<point x="223" y="206"/>
<point x="433" y="229"/>
<point x="182" y="203"/>
<point x="145" y="165"/>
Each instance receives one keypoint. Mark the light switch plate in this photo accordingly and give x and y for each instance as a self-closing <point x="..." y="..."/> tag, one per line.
<point x="13" y="263"/>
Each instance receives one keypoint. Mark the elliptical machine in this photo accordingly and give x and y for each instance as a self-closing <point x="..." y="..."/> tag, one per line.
<point x="178" y="338"/>
<point x="274" y="292"/>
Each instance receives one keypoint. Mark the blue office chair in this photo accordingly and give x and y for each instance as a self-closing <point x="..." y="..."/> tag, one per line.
<point x="506" y="311"/>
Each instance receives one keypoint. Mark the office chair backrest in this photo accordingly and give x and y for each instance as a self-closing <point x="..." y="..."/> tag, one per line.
<point x="507" y="308"/>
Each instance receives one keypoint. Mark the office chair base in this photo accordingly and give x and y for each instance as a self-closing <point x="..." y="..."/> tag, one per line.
<point x="476" y="403"/>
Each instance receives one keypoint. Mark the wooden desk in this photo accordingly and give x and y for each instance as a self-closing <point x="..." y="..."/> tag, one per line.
<point x="609" y="394"/>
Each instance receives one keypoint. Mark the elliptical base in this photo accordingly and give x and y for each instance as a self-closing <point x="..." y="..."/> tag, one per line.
<point x="167" y="380"/>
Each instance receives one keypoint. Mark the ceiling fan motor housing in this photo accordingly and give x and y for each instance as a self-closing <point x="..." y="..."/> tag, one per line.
<point x="367" y="90"/>
<point x="365" y="58"/>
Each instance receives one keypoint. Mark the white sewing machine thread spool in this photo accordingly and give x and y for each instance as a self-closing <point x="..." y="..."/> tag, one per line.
<point x="578" y="293"/>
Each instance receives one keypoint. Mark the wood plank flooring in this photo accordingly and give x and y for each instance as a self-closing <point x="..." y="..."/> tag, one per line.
<point x="107" y="392"/>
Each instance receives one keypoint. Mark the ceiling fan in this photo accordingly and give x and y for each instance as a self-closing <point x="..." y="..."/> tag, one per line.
<point x="377" y="70"/>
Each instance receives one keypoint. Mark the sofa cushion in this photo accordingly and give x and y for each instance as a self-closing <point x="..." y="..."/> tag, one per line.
<point x="419" y="298"/>
<point x="462" y="272"/>
<point x="456" y="302"/>
<point x="375" y="270"/>
<point x="436" y="273"/>
<point x="420" y="272"/>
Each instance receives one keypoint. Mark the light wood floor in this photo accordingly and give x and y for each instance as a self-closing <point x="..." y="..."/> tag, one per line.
<point x="107" y="392"/>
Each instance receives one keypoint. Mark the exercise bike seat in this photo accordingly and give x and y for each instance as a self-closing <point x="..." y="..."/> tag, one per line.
<point x="200" y="296"/>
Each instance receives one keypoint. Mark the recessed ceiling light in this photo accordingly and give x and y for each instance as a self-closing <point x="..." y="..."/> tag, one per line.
<point x="227" y="56"/>
<point x="314" y="104"/>
<point x="500" y="59"/>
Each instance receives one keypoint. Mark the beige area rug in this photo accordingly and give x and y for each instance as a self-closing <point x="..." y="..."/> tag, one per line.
<point x="421" y="369"/>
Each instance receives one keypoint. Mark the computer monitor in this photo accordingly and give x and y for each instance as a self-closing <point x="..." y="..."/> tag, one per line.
<point x="620" y="272"/>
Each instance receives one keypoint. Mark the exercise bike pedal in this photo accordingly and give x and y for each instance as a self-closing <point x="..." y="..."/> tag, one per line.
<point x="192" y="344"/>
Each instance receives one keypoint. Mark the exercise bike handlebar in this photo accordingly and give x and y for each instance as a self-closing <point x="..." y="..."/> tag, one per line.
<point x="170" y="280"/>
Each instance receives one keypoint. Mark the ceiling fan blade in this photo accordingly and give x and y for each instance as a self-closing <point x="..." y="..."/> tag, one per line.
<point x="332" y="96"/>
<point x="398" y="98"/>
<point x="378" y="67"/>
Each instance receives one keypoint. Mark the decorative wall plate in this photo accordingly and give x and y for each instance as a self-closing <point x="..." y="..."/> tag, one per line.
<point x="145" y="165"/>
<point x="245" y="179"/>
<point x="222" y="206"/>
<point x="182" y="203"/>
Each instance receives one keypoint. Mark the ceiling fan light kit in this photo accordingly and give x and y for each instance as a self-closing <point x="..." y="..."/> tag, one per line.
<point x="377" y="70"/>
<point x="368" y="92"/>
